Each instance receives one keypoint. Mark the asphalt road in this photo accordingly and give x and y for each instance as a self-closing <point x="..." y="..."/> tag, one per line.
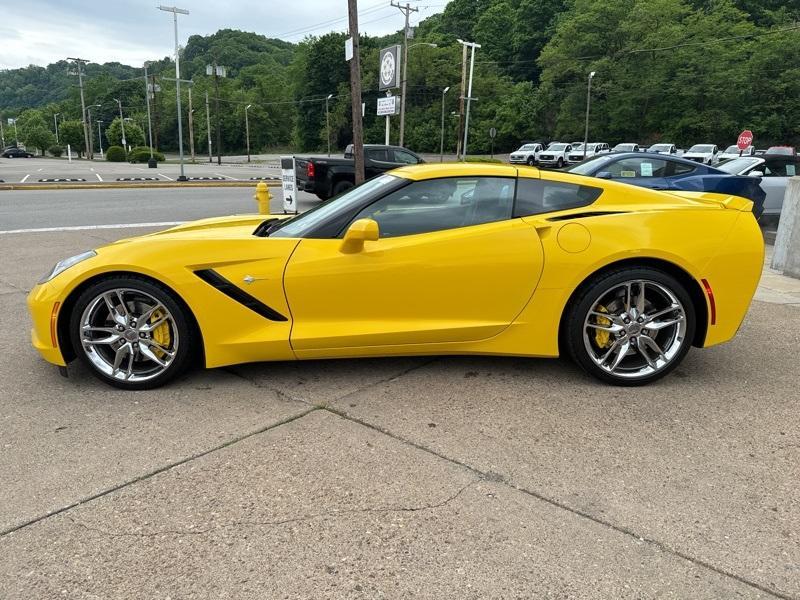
<point x="468" y="478"/>
<point x="34" y="209"/>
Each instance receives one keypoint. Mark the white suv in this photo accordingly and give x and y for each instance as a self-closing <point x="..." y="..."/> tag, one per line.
<point x="527" y="154"/>
<point x="555" y="155"/>
<point x="592" y="149"/>
<point x="706" y="154"/>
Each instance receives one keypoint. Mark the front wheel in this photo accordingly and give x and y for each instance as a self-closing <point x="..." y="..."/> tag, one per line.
<point x="560" y="163"/>
<point x="631" y="326"/>
<point x="531" y="161"/>
<point x="131" y="333"/>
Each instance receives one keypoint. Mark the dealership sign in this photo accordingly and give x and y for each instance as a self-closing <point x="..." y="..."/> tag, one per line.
<point x="388" y="106"/>
<point x="389" y="69"/>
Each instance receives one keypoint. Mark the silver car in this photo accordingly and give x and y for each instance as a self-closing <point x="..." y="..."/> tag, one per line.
<point x="774" y="170"/>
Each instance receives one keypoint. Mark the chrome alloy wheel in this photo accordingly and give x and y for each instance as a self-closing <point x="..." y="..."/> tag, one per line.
<point x="635" y="329"/>
<point x="129" y="335"/>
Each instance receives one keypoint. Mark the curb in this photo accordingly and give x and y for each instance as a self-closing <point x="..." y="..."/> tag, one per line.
<point x="133" y="185"/>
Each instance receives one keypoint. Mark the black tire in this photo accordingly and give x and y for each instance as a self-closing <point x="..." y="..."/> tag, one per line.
<point x="531" y="161"/>
<point x="560" y="162"/>
<point x="593" y="291"/>
<point x="341" y="187"/>
<point x="182" y="322"/>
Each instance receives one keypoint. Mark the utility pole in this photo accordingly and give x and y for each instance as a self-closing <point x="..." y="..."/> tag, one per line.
<point x="355" y="93"/>
<point x="441" y="140"/>
<point x="2" y="135"/>
<point x="473" y="46"/>
<point x="461" y="101"/>
<point x="208" y="130"/>
<point x="588" y="103"/>
<point x="79" y="62"/>
<point x="406" y="10"/>
<point x="149" y="120"/>
<point x="55" y="121"/>
<point x="247" y="130"/>
<point x="328" y="122"/>
<point x="90" y="149"/>
<point x="191" y="126"/>
<point x="122" y="124"/>
<point x="175" y="11"/>
<point x="100" y="137"/>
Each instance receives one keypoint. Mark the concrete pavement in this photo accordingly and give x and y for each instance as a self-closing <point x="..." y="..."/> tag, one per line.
<point x="399" y="478"/>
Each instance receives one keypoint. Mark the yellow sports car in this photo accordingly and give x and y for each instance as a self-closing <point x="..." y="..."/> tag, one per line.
<point x="430" y="259"/>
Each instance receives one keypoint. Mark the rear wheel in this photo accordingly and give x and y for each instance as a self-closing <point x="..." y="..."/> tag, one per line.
<point x="631" y="326"/>
<point x="341" y="187"/>
<point x="131" y="333"/>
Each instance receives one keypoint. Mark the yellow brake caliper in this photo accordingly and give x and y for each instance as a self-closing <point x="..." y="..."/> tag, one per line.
<point x="160" y="334"/>
<point x="603" y="338"/>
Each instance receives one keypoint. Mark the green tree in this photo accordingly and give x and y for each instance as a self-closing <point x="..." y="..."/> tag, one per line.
<point x="134" y="135"/>
<point x="71" y="133"/>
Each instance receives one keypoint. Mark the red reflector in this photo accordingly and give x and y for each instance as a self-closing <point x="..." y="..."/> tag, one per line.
<point x="310" y="170"/>
<point x="53" y="324"/>
<point x="711" y="303"/>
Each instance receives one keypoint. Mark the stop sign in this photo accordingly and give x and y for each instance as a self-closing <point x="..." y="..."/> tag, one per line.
<point x="745" y="139"/>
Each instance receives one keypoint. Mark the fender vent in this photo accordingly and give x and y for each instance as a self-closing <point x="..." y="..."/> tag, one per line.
<point x="236" y="293"/>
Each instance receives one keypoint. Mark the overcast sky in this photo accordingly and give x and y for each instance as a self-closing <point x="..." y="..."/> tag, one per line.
<point x="40" y="32"/>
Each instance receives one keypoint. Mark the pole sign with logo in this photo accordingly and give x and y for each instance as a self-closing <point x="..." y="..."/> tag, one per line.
<point x="289" y="185"/>
<point x="389" y="69"/>
<point x="745" y="140"/>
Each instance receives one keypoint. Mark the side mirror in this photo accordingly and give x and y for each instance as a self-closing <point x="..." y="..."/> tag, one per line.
<point x="363" y="230"/>
<point x="756" y="173"/>
<point x="603" y="175"/>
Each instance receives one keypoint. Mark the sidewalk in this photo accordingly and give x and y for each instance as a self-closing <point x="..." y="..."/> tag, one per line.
<point x="775" y="287"/>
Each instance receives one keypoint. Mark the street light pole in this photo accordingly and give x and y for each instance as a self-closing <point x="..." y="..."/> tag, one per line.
<point x="147" y="101"/>
<point x="122" y="124"/>
<point x="588" y="102"/>
<point x="441" y="139"/>
<point x="473" y="46"/>
<point x="55" y="121"/>
<point x="406" y="10"/>
<point x="100" y="137"/>
<point x="208" y="130"/>
<point x="175" y="11"/>
<point x="328" y="122"/>
<point x="191" y="125"/>
<point x="247" y="130"/>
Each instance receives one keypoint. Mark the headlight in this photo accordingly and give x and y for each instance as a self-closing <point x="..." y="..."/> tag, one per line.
<point x="65" y="264"/>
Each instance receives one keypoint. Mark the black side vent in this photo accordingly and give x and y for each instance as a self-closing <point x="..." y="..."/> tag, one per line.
<point x="585" y="215"/>
<point x="236" y="293"/>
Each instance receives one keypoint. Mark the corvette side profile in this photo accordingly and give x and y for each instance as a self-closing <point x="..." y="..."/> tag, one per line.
<point x="424" y="260"/>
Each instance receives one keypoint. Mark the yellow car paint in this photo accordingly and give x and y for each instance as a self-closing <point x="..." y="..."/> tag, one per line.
<point x="496" y="288"/>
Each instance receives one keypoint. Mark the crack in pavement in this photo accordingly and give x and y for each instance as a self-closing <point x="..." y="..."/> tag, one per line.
<point x="333" y="513"/>
<point x="153" y="473"/>
<point x="491" y="476"/>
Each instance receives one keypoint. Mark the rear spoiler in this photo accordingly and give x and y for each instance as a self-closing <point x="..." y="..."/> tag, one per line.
<point x="724" y="200"/>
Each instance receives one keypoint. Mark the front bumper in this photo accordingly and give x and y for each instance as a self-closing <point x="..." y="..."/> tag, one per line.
<point x="44" y="306"/>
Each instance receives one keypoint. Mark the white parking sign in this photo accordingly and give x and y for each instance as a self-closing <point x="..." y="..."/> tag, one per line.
<point x="289" y="184"/>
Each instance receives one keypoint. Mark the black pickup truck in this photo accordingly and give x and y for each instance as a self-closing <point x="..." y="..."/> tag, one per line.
<point x="327" y="177"/>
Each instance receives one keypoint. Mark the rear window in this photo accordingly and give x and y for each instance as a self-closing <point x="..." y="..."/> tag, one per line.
<point x="537" y="196"/>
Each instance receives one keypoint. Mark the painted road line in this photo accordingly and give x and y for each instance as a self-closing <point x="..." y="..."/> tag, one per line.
<point x="24" y="179"/>
<point x="93" y="227"/>
<point x="98" y="176"/>
<point x="165" y="177"/>
<point x="226" y="176"/>
<point x="40" y="170"/>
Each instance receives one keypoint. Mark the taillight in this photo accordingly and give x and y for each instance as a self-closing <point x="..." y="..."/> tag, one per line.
<point x="310" y="170"/>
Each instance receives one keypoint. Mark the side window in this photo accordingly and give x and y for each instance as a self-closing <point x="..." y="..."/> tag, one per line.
<point x="537" y="196"/>
<point x="637" y="167"/>
<point x="438" y="204"/>
<point x="676" y="168"/>
<point x="401" y="156"/>
<point x="777" y="168"/>
<point x="377" y="154"/>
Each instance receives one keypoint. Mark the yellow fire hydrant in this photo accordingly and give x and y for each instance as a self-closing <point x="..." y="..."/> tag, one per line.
<point x="262" y="197"/>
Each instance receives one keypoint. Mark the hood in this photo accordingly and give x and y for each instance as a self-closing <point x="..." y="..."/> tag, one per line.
<point x="229" y="227"/>
<point x="697" y="154"/>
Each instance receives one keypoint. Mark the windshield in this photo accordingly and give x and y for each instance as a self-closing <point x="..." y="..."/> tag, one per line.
<point x="787" y="150"/>
<point x="528" y="147"/>
<point x="660" y="148"/>
<point x="300" y="225"/>
<point x="704" y="148"/>
<point x="739" y="166"/>
<point x="578" y="146"/>
<point x="625" y="147"/>
<point x="557" y="147"/>
<point x="590" y="165"/>
<point x="732" y="149"/>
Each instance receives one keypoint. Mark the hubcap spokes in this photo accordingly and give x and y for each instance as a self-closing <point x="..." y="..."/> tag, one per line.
<point x="635" y="329"/>
<point x="129" y="335"/>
